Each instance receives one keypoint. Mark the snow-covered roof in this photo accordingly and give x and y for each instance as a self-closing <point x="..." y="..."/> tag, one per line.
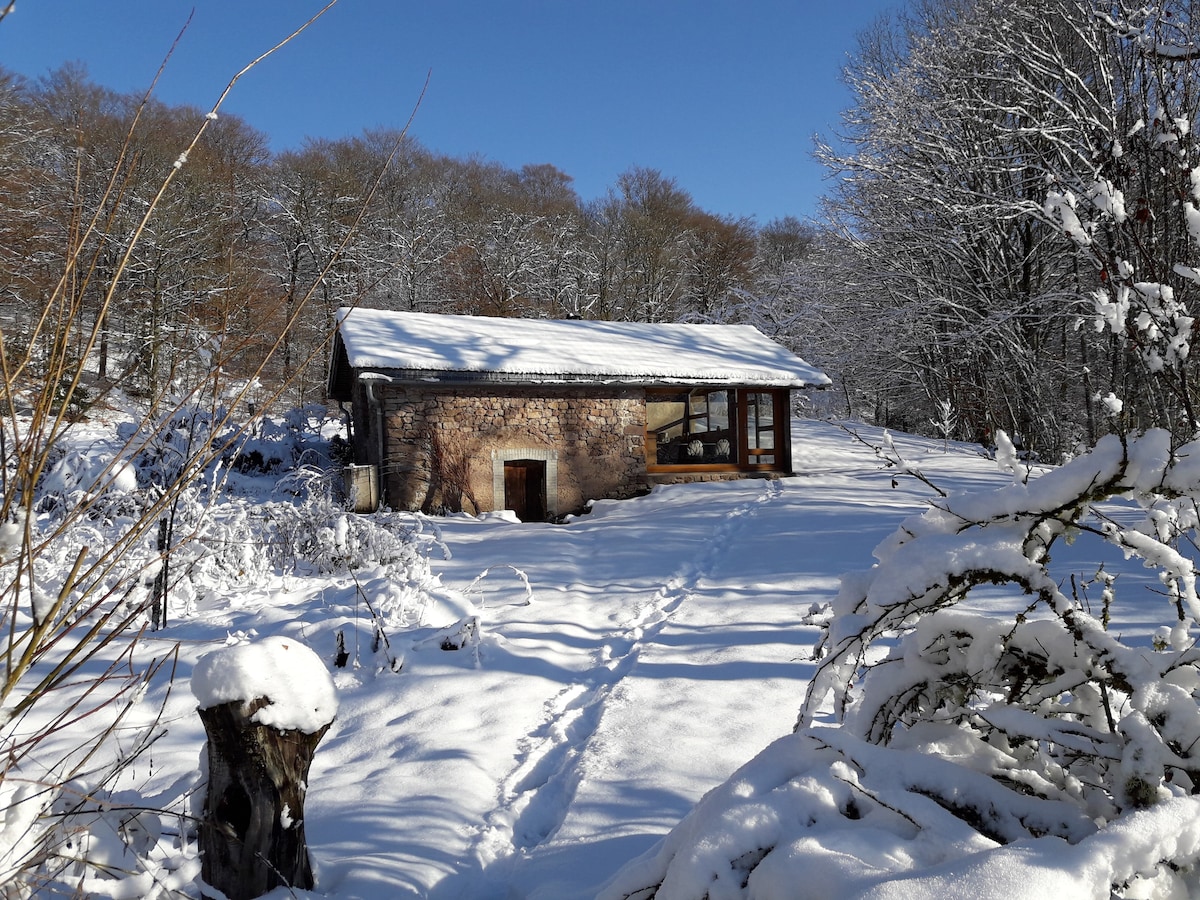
<point x="544" y="350"/>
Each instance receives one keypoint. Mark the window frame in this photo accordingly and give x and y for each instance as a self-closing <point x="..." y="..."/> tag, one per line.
<point x="738" y="415"/>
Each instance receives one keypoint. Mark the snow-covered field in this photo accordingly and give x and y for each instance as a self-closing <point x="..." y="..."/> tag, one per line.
<point x="626" y="663"/>
<point x="661" y="648"/>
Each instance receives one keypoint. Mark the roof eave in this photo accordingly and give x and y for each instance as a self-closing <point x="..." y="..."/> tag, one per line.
<point x="451" y="378"/>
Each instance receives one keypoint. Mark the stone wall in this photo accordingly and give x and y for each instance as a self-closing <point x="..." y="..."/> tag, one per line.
<point x="443" y="445"/>
<point x="696" y="477"/>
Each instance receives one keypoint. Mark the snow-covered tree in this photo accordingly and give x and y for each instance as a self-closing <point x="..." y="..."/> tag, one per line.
<point x="965" y="113"/>
<point x="1128" y="203"/>
<point x="972" y="700"/>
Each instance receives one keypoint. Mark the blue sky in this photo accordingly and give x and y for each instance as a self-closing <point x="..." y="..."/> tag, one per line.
<point x="724" y="96"/>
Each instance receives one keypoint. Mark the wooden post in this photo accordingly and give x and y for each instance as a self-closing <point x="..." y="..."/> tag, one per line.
<point x="265" y="707"/>
<point x="252" y="830"/>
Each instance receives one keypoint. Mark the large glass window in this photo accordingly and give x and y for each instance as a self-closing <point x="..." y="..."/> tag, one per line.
<point x="690" y="427"/>
<point x="722" y="429"/>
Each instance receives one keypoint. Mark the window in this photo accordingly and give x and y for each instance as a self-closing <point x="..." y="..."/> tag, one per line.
<point x="724" y="429"/>
<point x="760" y="428"/>
<point x="689" y="427"/>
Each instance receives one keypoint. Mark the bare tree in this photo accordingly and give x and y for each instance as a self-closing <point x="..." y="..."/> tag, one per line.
<point x="963" y="110"/>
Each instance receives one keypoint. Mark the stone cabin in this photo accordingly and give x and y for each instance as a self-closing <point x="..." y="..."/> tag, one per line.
<point x="538" y="416"/>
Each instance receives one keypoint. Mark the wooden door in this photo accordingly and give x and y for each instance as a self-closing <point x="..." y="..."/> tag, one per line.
<point x="525" y="489"/>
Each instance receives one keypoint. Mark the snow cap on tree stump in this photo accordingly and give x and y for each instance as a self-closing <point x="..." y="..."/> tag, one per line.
<point x="289" y="675"/>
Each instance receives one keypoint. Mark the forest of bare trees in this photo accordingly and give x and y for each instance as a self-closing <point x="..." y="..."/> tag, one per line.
<point x="374" y="219"/>
<point x="1008" y="180"/>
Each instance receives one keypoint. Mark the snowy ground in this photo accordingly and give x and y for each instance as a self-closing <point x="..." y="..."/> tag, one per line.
<point x="662" y="647"/>
<point x="658" y="646"/>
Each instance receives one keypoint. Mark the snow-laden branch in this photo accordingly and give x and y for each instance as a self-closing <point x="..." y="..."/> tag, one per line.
<point x="945" y="738"/>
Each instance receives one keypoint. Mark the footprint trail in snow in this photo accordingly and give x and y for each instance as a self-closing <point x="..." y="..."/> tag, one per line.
<point x="535" y="796"/>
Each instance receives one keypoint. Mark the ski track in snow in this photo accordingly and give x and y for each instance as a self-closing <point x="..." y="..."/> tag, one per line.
<point x="535" y="796"/>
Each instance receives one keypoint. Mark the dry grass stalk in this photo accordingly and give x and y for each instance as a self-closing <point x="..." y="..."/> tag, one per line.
<point x="74" y="658"/>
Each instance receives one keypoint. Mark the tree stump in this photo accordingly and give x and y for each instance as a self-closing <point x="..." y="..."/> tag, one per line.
<point x="252" y="832"/>
<point x="265" y="707"/>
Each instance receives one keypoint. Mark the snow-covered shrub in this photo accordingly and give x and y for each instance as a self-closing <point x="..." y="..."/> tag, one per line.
<point x="83" y="556"/>
<point x="95" y="479"/>
<point x="280" y="444"/>
<point x="168" y="452"/>
<point x="983" y="704"/>
<point x="316" y="533"/>
<point x="114" y="847"/>
<point x="946" y="421"/>
<point x="87" y="471"/>
<point x="168" y="447"/>
<point x="207" y="543"/>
